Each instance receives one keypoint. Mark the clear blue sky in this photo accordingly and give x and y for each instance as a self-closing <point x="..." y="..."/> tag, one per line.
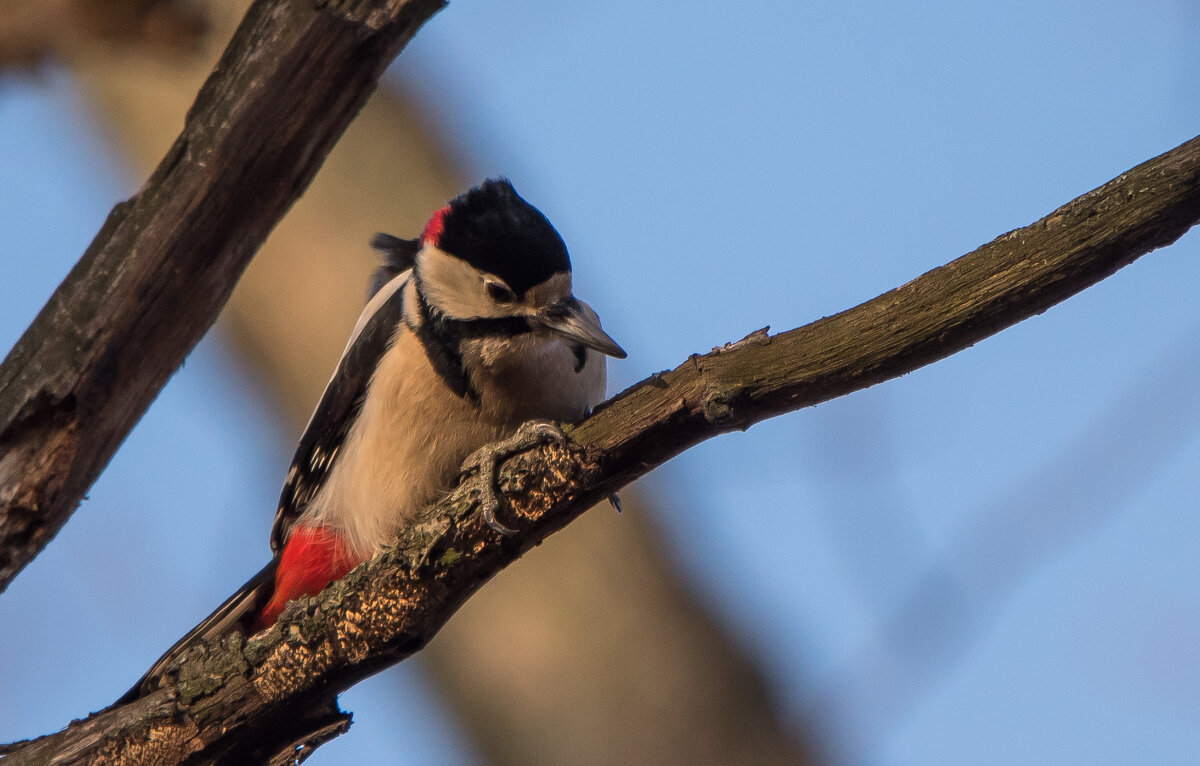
<point x="991" y="560"/>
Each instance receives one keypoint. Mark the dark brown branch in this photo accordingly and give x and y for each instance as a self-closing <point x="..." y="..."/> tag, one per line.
<point x="249" y="697"/>
<point x="1015" y="276"/>
<point x="156" y="275"/>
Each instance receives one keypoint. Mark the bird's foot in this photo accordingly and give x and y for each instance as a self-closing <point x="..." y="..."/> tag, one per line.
<point x="614" y="499"/>
<point x="485" y="463"/>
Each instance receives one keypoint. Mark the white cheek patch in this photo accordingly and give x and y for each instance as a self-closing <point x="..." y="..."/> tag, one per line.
<point x="454" y="286"/>
<point x="459" y="290"/>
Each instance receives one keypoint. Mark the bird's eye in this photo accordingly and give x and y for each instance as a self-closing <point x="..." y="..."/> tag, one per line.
<point x="500" y="293"/>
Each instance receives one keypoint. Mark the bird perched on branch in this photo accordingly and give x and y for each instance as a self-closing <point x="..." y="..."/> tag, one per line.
<point x="469" y="331"/>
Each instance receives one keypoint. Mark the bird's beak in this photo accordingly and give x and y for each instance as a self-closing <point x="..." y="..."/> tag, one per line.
<point x="571" y="320"/>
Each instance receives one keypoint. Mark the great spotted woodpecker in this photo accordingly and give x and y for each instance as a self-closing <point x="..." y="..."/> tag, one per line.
<point x="469" y="331"/>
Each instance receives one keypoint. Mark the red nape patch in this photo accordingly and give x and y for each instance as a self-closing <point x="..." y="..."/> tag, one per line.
<point x="312" y="558"/>
<point x="433" y="229"/>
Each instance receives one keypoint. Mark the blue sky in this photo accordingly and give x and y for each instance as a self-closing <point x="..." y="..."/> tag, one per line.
<point x="990" y="560"/>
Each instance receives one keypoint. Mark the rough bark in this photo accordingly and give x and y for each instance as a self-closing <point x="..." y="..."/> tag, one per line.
<point x="220" y="695"/>
<point x="160" y="269"/>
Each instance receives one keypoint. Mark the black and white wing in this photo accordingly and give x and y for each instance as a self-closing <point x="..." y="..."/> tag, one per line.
<point x="315" y="455"/>
<point x="237" y="611"/>
<point x="339" y="405"/>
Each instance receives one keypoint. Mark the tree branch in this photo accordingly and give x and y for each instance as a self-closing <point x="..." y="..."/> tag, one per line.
<point x="243" y="698"/>
<point x="160" y="269"/>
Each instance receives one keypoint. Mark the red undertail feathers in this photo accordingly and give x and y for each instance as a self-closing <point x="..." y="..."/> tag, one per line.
<point x="312" y="558"/>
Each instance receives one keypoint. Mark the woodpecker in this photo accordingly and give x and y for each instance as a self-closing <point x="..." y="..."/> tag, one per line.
<point x="469" y="331"/>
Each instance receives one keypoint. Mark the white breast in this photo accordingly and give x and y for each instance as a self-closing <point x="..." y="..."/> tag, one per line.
<point x="405" y="449"/>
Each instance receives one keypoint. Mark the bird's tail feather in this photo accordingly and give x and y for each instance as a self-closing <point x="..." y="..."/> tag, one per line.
<point x="237" y="612"/>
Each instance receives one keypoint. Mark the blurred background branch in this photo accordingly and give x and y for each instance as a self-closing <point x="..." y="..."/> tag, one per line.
<point x="34" y="32"/>
<point x="972" y="578"/>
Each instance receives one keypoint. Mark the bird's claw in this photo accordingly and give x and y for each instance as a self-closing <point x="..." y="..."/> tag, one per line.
<point x="485" y="463"/>
<point x="489" y="516"/>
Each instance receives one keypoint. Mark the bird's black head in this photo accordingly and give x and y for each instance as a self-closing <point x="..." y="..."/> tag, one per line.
<point x="496" y="231"/>
<point x="491" y="264"/>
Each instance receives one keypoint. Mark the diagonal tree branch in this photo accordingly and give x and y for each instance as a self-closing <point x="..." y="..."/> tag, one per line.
<point x="160" y="269"/>
<point x="254" y="698"/>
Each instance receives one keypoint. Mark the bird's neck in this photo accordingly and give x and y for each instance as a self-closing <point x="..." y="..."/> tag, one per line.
<point x="443" y="336"/>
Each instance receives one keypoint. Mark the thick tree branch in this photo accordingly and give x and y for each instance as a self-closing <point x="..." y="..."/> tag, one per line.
<point x="249" y="698"/>
<point x="153" y="280"/>
<point x="1015" y="276"/>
